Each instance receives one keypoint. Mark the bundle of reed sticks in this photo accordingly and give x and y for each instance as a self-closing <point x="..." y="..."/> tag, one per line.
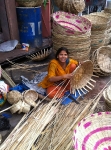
<point x="49" y="126"/>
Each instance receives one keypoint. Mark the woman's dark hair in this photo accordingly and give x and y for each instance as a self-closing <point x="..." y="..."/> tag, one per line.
<point x="61" y="49"/>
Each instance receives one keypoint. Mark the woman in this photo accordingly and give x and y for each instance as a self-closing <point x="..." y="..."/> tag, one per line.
<point x="59" y="70"/>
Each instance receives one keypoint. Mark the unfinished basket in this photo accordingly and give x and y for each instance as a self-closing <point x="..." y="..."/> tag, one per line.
<point x="81" y="79"/>
<point x="98" y="22"/>
<point x="70" y="24"/>
<point x="30" y="96"/>
<point x="71" y="6"/>
<point x="101" y="59"/>
<point x="41" y="55"/>
<point x="93" y="132"/>
<point x="29" y="3"/>
<point x="14" y="96"/>
<point x="25" y="108"/>
<point x="16" y="107"/>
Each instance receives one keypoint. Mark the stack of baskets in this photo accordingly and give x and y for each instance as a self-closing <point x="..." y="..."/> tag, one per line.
<point x="99" y="26"/>
<point x="22" y="102"/>
<point x="93" y="132"/>
<point x="72" y="32"/>
<point x="29" y="3"/>
<point x="101" y="59"/>
<point x="72" y="6"/>
<point x="107" y="97"/>
<point x="107" y="36"/>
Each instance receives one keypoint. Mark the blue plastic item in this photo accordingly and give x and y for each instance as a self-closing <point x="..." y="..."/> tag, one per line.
<point x="29" y="24"/>
<point x="66" y="100"/>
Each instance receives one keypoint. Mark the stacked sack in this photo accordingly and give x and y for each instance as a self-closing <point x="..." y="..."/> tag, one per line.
<point x="99" y="26"/>
<point x="107" y="97"/>
<point x="73" y="32"/>
<point x="22" y="102"/>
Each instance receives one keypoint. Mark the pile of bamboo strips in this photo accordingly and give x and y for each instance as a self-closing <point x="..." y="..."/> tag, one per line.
<point x="50" y="126"/>
<point x="31" y="126"/>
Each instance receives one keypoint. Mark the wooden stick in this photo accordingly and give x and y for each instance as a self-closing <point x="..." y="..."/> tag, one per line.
<point x="88" y="87"/>
<point x="6" y="109"/>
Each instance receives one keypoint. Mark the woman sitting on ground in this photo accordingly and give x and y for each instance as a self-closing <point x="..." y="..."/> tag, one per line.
<point x="59" y="70"/>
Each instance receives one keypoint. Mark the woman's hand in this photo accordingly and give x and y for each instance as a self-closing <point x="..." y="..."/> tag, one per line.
<point x="68" y="76"/>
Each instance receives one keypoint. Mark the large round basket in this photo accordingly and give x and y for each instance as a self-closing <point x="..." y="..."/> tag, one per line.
<point x="30" y="96"/>
<point x="93" y="132"/>
<point x="101" y="59"/>
<point x="29" y="3"/>
<point x="70" y="24"/>
<point x="71" y="6"/>
<point x="82" y="76"/>
<point x="98" y="22"/>
<point x="41" y="55"/>
<point x="14" y="96"/>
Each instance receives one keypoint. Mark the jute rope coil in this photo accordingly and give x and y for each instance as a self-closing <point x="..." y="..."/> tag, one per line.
<point x="101" y="59"/>
<point x="70" y="24"/>
<point x="93" y="132"/>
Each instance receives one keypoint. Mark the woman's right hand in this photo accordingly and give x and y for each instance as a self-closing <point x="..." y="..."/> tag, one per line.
<point x="68" y="76"/>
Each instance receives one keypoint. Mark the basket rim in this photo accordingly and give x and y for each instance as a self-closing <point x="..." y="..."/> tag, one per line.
<point x="71" y="15"/>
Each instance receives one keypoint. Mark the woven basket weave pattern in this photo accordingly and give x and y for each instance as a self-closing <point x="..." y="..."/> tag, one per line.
<point x="72" y="6"/>
<point x="30" y="3"/>
<point x="70" y="24"/>
<point x="93" y="132"/>
<point x="102" y="61"/>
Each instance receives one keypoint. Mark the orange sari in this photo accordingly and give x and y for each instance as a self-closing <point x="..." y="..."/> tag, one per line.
<point x="55" y="69"/>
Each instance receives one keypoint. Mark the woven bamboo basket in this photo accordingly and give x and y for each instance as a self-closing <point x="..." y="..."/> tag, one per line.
<point x="41" y="55"/>
<point x="105" y="15"/>
<point x="98" y="22"/>
<point x="97" y="42"/>
<point x="16" y="107"/>
<point x="30" y="96"/>
<point x="98" y="32"/>
<point x="107" y="39"/>
<point x="102" y="61"/>
<point x="14" y="96"/>
<point x="75" y="39"/>
<point x="70" y="24"/>
<point x="82" y="76"/>
<point x="79" y="46"/>
<point x="71" y="6"/>
<point x="107" y="10"/>
<point x="106" y="95"/>
<point x="20" y="107"/>
<point x="25" y="108"/>
<point x="29" y="3"/>
<point x="93" y="132"/>
<point x="80" y="56"/>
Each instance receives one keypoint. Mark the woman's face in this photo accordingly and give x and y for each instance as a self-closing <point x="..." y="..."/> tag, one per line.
<point x="62" y="57"/>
